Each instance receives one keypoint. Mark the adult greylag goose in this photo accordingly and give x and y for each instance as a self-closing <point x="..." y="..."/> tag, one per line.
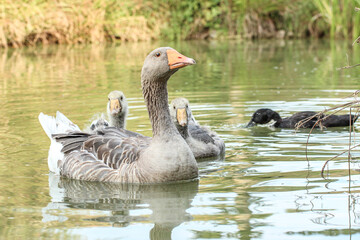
<point x="265" y="115"/>
<point x="118" y="155"/>
<point x="202" y="141"/>
<point x="117" y="110"/>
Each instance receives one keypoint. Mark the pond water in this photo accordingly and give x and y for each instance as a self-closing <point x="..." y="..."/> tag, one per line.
<point x="265" y="188"/>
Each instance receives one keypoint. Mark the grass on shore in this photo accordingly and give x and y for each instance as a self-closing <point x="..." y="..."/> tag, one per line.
<point x="29" y="22"/>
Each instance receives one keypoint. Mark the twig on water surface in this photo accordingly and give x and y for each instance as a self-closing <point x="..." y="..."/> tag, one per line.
<point x="348" y="62"/>
<point x="349" y="152"/>
<point x="357" y="40"/>
<point x="347" y="67"/>
<point x="354" y="94"/>
<point x="327" y="161"/>
<point x="338" y="108"/>
<point x="320" y="116"/>
<point x="302" y="122"/>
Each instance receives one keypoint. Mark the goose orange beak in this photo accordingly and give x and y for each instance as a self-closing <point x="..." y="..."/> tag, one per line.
<point x="115" y="106"/>
<point x="177" y="60"/>
<point x="181" y="116"/>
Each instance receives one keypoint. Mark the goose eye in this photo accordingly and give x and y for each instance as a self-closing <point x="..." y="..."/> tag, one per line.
<point x="108" y="99"/>
<point x="174" y="107"/>
<point x="121" y="98"/>
<point x="158" y="54"/>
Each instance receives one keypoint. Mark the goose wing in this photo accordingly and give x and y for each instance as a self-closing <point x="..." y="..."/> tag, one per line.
<point x="110" y="155"/>
<point x="200" y="134"/>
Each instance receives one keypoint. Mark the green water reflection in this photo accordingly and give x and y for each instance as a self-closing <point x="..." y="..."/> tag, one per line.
<point x="264" y="189"/>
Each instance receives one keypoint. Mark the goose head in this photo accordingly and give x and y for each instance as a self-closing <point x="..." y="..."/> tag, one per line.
<point x="162" y="62"/>
<point x="158" y="67"/>
<point x="180" y="113"/>
<point x="117" y="109"/>
<point x="263" y="116"/>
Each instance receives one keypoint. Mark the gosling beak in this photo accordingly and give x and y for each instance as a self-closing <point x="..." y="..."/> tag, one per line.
<point x="251" y="124"/>
<point x="115" y="106"/>
<point x="181" y="116"/>
<point x="177" y="60"/>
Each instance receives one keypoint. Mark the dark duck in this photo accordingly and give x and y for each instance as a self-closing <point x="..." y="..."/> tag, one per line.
<point x="265" y="115"/>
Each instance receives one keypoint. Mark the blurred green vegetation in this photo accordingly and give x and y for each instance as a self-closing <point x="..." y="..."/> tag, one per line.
<point x="28" y="22"/>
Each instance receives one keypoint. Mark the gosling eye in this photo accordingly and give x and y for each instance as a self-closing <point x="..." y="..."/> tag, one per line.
<point x="121" y="98"/>
<point x="174" y="107"/>
<point x="108" y="99"/>
<point x="158" y="54"/>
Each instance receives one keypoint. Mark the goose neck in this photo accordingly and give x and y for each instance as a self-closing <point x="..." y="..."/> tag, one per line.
<point x="118" y="121"/>
<point x="156" y="98"/>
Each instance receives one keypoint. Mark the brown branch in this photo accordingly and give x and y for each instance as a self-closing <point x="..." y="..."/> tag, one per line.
<point x="352" y="105"/>
<point x="337" y="108"/>
<point x="349" y="153"/>
<point x="357" y="40"/>
<point x="307" y="142"/>
<point x="327" y="161"/>
<point x="347" y="67"/>
<point x="354" y="94"/>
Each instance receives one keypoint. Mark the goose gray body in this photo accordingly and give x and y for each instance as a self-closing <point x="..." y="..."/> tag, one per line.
<point x="118" y="155"/>
<point x="202" y="141"/>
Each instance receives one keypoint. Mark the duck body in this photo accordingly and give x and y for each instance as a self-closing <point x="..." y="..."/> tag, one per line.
<point x="202" y="141"/>
<point x="265" y="115"/>
<point x="119" y="155"/>
<point x="339" y="120"/>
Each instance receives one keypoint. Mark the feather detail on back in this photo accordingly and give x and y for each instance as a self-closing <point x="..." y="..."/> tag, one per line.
<point x="100" y="157"/>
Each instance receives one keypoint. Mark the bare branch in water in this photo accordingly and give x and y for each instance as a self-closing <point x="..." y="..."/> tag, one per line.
<point x="321" y="116"/>
<point x="327" y="161"/>
<point x="354" y="94"/>
<point x="347" y="67"/>
<point x="349" y="152"/>
<point x="357" y="40"/>
<point x="338" y="108"/>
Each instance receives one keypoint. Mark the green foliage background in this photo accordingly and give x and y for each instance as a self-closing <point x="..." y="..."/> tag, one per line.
<point x="29" y="22"/>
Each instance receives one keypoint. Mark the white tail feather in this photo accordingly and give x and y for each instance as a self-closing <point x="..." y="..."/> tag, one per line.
<point x="63" y="119"/>
<point x="48" y="123"/>
<point x="51" y="125"/>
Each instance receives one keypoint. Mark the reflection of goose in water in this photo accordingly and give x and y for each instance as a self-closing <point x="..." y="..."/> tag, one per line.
<point x="168" y="203"/>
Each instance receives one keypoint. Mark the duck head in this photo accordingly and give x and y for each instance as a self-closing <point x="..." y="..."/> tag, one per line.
<point x="263" y="116"/>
